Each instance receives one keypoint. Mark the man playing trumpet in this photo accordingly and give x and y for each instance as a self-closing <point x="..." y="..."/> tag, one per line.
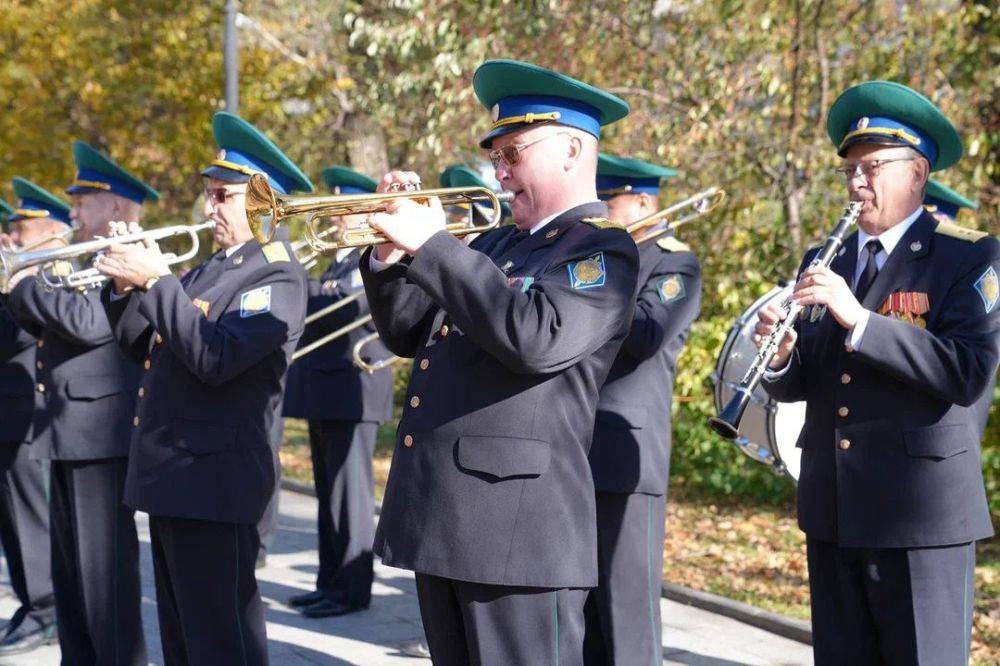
<point x="490" y="499"/>
<point x="40" y="222"/>
<point x="214" y="347"/>
<point x="86" y="392"/>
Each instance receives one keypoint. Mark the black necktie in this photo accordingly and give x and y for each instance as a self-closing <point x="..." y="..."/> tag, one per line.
<point x="868" y="275"/>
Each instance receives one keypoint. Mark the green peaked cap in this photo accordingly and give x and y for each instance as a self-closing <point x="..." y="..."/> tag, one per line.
<point x="348" y="180"/>
<point x="889" y="113"/>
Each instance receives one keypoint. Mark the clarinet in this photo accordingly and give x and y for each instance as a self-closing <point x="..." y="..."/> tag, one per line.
<point x="727" y="423"/>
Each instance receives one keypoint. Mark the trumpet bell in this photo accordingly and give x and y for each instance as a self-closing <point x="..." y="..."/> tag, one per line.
<point x="262" y="209"/>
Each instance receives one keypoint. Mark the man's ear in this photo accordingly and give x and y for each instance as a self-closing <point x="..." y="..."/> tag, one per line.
<point x="574" y="150"/>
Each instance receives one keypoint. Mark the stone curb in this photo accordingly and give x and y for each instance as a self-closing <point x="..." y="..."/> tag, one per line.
<point x="796" y="630"/>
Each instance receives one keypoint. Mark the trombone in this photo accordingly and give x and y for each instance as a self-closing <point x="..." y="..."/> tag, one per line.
<point x="373" y="366"/>
<point x="14" y="262"/>
<point x="702" y="203"/>
<point x="266" y="210"/>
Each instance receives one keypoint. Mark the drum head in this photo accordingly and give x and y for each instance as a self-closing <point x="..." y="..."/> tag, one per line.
<point x="769" y="430"/>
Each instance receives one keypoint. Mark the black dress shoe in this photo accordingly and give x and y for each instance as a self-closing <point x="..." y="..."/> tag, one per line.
<point x="307" y="599"/>
<point x="331" y="608"/>
<point x="27" y="636"/>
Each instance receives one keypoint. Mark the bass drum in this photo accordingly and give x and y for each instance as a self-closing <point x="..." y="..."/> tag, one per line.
<point x="769" y="429"/>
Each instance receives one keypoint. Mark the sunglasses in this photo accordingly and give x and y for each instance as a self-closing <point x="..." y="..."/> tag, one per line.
<point x="219" y="195"/>
<point x="511" y="155"/>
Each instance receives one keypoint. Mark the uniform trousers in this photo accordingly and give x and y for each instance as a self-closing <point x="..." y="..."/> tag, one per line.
<point x="342" y="470"/>
<point x="24" y="531"/>
<point x="95" y="564"/>
<point x="497" y="625"/>
<point x="207" y="599"/>
<point x="873" y="606"/>
<point x="623" y="611"/>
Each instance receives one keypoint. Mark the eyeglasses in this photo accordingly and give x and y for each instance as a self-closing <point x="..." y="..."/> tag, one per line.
<point x="219" y="195"/>
<point x="867" y="169"/>
<point x="511" y="155"/>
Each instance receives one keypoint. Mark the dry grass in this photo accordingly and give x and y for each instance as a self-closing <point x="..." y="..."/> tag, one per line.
<point x="754" y="554"/>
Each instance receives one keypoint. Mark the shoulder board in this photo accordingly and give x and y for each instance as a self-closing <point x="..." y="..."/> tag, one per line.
<point x="671" y="244"/>
<point x="275" y="252"/>
<point x="600" y="223"/>
<point x="961" y="233"/>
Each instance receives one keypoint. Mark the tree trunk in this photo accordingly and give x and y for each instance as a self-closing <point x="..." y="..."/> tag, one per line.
<point x="366" y="149"/>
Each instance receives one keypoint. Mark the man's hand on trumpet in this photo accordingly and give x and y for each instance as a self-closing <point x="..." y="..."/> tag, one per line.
<point x="134" y="264"/>
<point x="407" y="223"/>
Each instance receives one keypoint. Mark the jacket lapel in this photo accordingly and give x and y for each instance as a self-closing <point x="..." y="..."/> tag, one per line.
<point x="846" y="260"/>
<point x="517" y="257"/>
<point x="914" y="244"/>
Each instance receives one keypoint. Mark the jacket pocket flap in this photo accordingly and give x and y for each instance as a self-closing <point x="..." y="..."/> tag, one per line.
<point x="504" y="457"/>
<point x="94" y="387"/>
<point x="622" y="416"/>
<point x="940" y="441"/>
<point x="202" y="437"/>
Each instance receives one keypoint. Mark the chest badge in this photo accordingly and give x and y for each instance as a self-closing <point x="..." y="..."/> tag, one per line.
<point x="520" y="283"/>
<point x="201" y="305"/>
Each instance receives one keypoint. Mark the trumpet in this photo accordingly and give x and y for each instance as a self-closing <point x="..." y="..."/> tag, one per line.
<point x="14" y="262"/>
<point x="727" y="423"/>
<point x="371" y="367"/>
<point x="266" y="210"/>
<point x="702" y="203"/>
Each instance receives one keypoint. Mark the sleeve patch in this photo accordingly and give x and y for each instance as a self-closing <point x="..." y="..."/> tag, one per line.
<point x="275" y="252"/>
<point x="588" y="273"/>
<point x="671" y="288"/>
<point x="988" y="288"/>
<point x="256" y="301"/>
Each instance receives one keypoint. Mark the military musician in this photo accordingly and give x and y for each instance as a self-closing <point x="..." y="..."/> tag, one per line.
<point x="344" y="407"/>
<point x="490" y="499"/>
<point x="86" y="393"/>
<point x="214" y="348"/>
<point x="899" y="341"/>
<point x="630" y="454"/>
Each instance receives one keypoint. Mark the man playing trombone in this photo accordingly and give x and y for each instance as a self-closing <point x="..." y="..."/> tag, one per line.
<point x="85" y="396"/>
<point x="214" y="347"/>
<point x="897" y="340"/>
<point x="490" y="499"/>
<point x="630" y="455"/>
<point x="40" y="221"/>
<point x="344" y="407"/>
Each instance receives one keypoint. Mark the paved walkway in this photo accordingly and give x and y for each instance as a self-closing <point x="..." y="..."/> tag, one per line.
<point x="691" y="636"/>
